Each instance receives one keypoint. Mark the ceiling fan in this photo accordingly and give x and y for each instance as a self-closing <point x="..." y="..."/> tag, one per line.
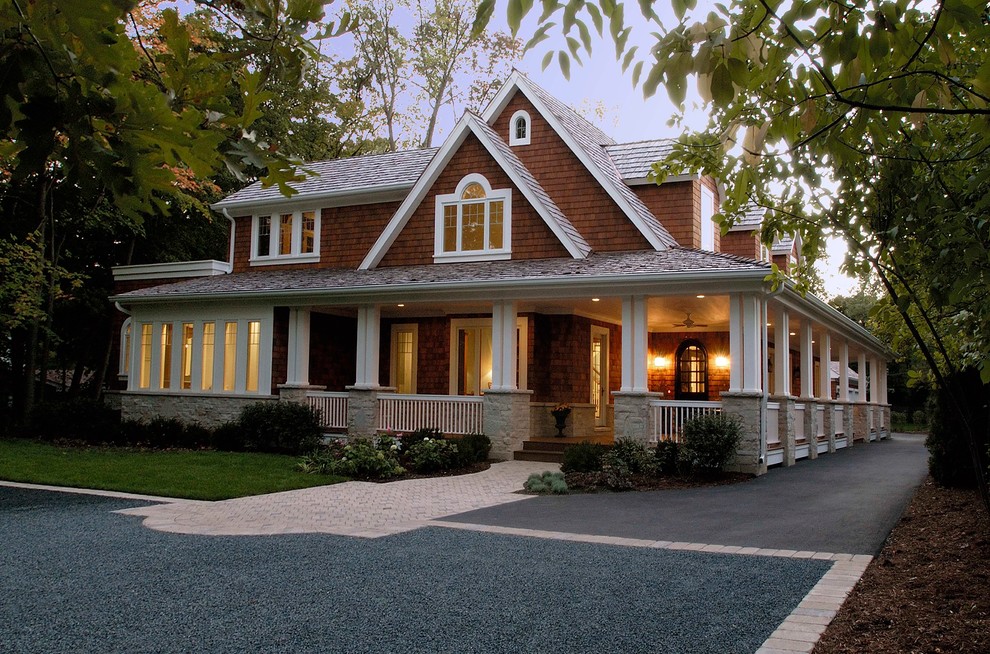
<point x="688" y="323"/>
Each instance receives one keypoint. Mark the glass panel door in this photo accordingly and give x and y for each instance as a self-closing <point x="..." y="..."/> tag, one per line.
<point x="474" y="360"/>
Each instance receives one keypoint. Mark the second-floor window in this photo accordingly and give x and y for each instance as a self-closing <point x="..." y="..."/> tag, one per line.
<point x="289" y="235"/>
<point x="474" y="222"/>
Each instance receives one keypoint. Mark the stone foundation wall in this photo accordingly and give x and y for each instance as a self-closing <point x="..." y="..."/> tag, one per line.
<point x="205" y="410"/>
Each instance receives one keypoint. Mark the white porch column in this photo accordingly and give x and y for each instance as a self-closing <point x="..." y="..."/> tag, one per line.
<point x="752" y="341"/>
<point x="504" y="345"/>
<point x="875" y="383"/>
<point x="825" y="367"/>
<point x="861" y="371"/>
<point x="634" y="344"/>
<point x="297" y="373"/>
<point x="807" y="360"/>
<point x="782" y="352"/>
<point x="368" y="343"/>
<point x="883" y="382"/>
<point x="844" y="371"/>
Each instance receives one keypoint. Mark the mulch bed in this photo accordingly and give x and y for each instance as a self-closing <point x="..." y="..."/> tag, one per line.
<point x="928" y="591"/>
<point x="594" y="482"/>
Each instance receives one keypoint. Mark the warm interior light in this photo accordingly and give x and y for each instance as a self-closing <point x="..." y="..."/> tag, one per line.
<point x="793" y="334"/>
<point x="721" y="361"/>
<point x="595" y="299"/>
<point x="660" y="362"/>
<point x="700" y="297"/>
<point x="400" y="305"/>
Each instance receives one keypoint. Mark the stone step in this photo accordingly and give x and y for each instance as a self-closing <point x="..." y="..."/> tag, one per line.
<point x="542" y="456"/>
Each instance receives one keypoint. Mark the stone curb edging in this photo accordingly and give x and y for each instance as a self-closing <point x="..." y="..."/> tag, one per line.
<point x="102" y="493"/>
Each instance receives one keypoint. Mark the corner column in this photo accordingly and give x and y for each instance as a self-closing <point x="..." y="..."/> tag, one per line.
<point x="808" y="388"/>
<point x="825" y="387"/>
<point x="782" y="383"/>
<point x="362" y="397"/>
<point x="297" y="365"/>
<point x="504" y="315"/>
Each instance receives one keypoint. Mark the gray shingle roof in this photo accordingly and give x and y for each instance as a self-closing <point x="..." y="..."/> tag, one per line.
<point x="555" y="213"/>
<point x="593" y="142"/>
<point x="751" y="219"/>
<point x="339" y="281"/>
<point x="635" y="160"/>
<point x="365" y="173"/>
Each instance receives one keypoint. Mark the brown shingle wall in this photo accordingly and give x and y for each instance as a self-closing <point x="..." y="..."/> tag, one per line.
<point x="578" y="194"/>
<point x="665" y="344"/>
<point x="531" y="238"/>
<point x="677" y="206"/>
<point x="560" y="358"/>
<point x="783" y="262"/>
<point x="332" y="351"/>
<point x="742" y="244"/>
<point x="280" y="347"/>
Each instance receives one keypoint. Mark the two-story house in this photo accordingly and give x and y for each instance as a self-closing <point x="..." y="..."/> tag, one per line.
<point x="526" y="262"/>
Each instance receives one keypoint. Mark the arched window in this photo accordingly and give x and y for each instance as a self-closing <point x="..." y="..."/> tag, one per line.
<point x="473" y="223"/>
<point x="124" y="360"/>
<point x="519" y="128"/>
<point x="692" y="371"/>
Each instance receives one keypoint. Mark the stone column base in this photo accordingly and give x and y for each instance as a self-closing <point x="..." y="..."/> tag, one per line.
<point x="829" y="427"/>
<point x="362" y="411"/>
<point x="847" y="422"/>
<point x="633" y="418"/>
<point x="506" y="420"/>
<point x="296" y="392"/>
<point x="811" y="425"/>
<point x="861" y="426"/>
<point x="750" y="408"/>
<point x="785" y="426"/>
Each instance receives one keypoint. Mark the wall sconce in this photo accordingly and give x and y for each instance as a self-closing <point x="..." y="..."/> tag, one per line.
<point x="660" y="362"/>
<point x="721" y="361"/>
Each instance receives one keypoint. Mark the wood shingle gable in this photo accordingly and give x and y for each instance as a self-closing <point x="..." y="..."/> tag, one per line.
<point x="570" y="241"/>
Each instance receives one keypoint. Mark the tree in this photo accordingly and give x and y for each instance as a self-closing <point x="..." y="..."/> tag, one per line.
<point x="871" y="120"/>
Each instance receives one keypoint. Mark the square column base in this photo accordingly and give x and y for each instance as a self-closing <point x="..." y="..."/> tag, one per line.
<point x="296" y="392"/>
<point x="633" y="417"/>
<point x="506" y="420"/>
<point x="811" y="425"/>
<point x="785" y="427"/>
<point x="750" y="409"/>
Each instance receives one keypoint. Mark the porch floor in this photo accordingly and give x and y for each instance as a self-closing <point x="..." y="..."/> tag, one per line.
<point x="551" y="449"/>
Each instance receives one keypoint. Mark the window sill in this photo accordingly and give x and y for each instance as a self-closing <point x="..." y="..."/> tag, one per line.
<point x="469" y="257"/>
<point x="280" y="260"/>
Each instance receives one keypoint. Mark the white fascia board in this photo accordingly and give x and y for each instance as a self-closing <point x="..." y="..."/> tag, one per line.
<point x="416" y="195"/>
<point x="813" y="307"/>
<point x="653" y="284"/>
<point x="325" y="199"/>
<point x="502" y="98"/>
<point x="202" y="268"/>
<point x="572" y="248"/>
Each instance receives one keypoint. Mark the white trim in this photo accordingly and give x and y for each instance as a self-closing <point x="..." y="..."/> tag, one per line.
<point x="341" y="198"/>
<point x="467" y="124"/>
<point x="707" y="221"/>
<point x="648" y="181"/>
<point x="518" y="81"/>
<point x="513" y="138"/>
<point x="203" y="268"/>
<point x="598" y="330"/>
<point x="454" y="199"/>
<point x="398" y="328"/>
<point x="124" y="359"/>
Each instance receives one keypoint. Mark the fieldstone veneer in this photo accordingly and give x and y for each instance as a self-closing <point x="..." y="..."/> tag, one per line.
<point x="749" y="408"/>
<point x="204" y="410"/>
<point x="506" y="420"/>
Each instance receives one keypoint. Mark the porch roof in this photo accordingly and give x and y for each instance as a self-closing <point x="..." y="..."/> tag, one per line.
<point x="681" y="264"/>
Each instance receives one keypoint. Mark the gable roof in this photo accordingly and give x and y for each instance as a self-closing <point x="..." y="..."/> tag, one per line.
<point x="537" y="196"/>
<point x="634" y="161"/>
<point x="588" y="144"/>
<point x="368" y="173"/>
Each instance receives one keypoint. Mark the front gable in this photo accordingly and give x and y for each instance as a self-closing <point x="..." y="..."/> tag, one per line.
<point x="531" y="238"/>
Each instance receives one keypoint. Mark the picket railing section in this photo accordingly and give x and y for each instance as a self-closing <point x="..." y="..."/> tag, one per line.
<point x="798" y="421"/>
<point x="332" y="408"/>
<point x="669" y="417"/>
<point x="451" y="414"/>
<point x="773" y="424"/>
<point x="820" y="421"/>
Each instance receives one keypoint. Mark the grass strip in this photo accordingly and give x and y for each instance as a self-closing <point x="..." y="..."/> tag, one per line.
<point x="198" y="475"/>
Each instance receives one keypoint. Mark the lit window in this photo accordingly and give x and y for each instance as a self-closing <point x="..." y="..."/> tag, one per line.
<point x="187" y="354"/>
<point x="403" y="358"/>
<point x="473" y="223"/>
<point x="283" y="236"/>
<point x="165" y="377"/>
<point x="253" y="354"/>
<point x="209" y="338"/>
<point x="229" y="356"/>
<point x="692" y="371"/>
<point x="146" y="343"/>
<point x="519" y="128"/>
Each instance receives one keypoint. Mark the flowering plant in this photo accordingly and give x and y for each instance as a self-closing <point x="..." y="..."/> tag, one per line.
<point x="561" y="411"/>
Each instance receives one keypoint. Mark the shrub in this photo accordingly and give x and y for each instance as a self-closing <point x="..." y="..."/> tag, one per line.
<point x="950" y="460"/>
<point x="429" y="455"/>
<point x="898" y="418"/>
<point x="228" y="437"/>
<point x="666" y="457"/>
<point x="583" y="457"/>
<point x="615" y="472"/>
<point x="634" y="455"/>
<point x="473" y="448"/>
<point x="82" y="419"/>
<point x="280" y="427"/>
<point x="361" y="459"/>
<point x="918" y="417"/>
<point x="710" y="441"/>
<point x="419" y="435"/>
<point x="546" y="483"/>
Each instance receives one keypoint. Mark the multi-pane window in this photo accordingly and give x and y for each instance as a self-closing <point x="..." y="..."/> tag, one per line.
<point x="146" y="338"/>
<point x="519" y="128"/>
<point x="253" y="354"/>
<point x="285" y="235"/>
<point x="165" y="377"/>
<point x="187" y="354"/>
<point x="692" y="372"/>
<point x="404" y="347"/>
<point x="473" y="221"/>
<point x="229" y="356"/>
<point x="209" y="339"/>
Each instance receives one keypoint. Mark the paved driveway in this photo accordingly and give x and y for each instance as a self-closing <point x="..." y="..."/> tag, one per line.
<point x="77" y="575"/>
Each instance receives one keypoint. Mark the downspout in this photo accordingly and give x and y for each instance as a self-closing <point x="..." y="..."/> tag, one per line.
<point x="233" y="226"/>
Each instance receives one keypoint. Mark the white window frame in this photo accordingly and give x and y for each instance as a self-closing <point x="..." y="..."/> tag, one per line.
<point x="515" y="140"/>
<point x="522" y="327"/>
<point x="393" y="361"/>
<point x="454" y="199"/>
<point x="707" y="219"/>
<point x="124" y="360"/>
<point x="295" y="250"/>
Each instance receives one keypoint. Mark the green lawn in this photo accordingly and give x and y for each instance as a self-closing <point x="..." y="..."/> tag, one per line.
<point x="200" y="475"/>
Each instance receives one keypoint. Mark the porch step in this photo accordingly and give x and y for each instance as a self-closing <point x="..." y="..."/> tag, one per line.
<point x="551" y="450"/>
<point x="541" y="456"/>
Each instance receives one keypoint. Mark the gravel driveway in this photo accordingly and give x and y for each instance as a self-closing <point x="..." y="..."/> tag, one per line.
<point x="75" y="577"/>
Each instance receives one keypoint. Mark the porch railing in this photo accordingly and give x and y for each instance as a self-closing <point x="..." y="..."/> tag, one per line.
<point x="669" y="417"/>
<point x="332" y="408"/>
<point x="451" y="414"/>
<point x="798" y="421"/>
<point x="820" y="421"/>
<point x="838" y="424"/>
<point x="773" y="424"/>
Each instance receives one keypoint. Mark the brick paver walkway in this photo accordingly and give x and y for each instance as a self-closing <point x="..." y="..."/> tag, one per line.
<point x="354" y="508"/>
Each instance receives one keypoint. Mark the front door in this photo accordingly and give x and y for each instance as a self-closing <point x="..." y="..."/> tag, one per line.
<point x="692" y="371"/>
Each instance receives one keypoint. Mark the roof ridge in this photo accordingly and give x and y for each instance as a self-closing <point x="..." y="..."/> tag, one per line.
<point x="664" y="139"/>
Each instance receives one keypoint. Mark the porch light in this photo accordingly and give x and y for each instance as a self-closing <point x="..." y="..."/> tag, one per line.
<point x="793" y="333"/>
<point x="700" y="297"/>
<point x="400" y="305"/>
<point x="659" y="362"/>
<point x="595" y="299"/>
<point x="721" y="361"/>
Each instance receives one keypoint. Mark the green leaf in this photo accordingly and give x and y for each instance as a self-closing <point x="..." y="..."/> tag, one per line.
<point x="721" y="84"/>
<point x="652" y="80"/>
<point x="585" y="35"/>
<point x="637" y="72"/>
<point x="596" y="17"/>
<point x="539" y="36"/>
<point x="565" y="64"/>
<point x="627" y="60"/>
<point x="547" y="58"/>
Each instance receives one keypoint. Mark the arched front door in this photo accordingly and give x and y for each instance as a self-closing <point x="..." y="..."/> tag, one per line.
<point x="692" y="371"/>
